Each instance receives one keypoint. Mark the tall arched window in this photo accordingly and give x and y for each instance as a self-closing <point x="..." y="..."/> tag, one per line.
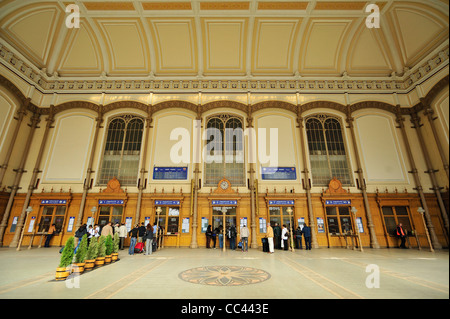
<point x="122" y="150"/>
<point x="327" y="153"/>
<point x="224" y="150"/>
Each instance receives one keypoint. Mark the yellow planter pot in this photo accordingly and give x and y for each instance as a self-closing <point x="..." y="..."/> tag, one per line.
<point x="100" y="261"/>
<point x="114" y="256"/>
<point x="78" y="268"/>
<point x="89" y="264"/>
<point x="108" y="259"/>
<point x="62" y="273"/>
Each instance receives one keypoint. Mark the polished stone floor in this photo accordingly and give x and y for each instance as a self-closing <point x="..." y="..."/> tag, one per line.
<point x="185" y="273"/>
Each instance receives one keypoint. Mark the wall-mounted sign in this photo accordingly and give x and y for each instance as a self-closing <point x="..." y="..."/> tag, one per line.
<point x="338" y="202"/>
<point x="224" y="202"/>
<point x="53" y="202"/>
<point x="278" y="173"/>
<point x="320" y="225"/>
<point x="110" y="201"/>
<point x="185" y="225"/>
<point x="262" y="225"/>
<point x="167" y="202"/>
<point x="70" y="224"/>
<point x="167" y="173"/>
<point x="281" y="202"/>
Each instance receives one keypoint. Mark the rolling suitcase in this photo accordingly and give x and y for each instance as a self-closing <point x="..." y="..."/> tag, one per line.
<point x="154" y="246"/>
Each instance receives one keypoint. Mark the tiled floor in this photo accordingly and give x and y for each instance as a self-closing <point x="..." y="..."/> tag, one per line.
<point x="194" y="274"/>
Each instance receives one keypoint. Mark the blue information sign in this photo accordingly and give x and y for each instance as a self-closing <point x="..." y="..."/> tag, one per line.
<point x="224" y="202"/>
<point x="53" y="202"/>
<point x="167" y="202"/>
<point x="168" y="173"/>
<point x="110" y="201"/>
<point x="281" y="202"/>
<point x="338" y="202"/>
<point x="278" y="173"/>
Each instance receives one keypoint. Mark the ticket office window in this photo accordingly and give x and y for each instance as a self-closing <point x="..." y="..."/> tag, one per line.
<point x="394" y="215"/>
<point x="52" y="215"/>
<point x="279" y="214"/>
<point x="169" y="219"/>
<point x="111" y="214"/>
<point x="339" y="220"/>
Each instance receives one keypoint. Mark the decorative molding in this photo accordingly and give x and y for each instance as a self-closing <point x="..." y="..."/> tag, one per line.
<point x="335" y="187"/>
<point x="113" y="187"/>
<point x="187" y="84"/>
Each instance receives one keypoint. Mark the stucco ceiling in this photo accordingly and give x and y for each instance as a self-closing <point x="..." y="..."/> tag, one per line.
<point x="224" y="39"/>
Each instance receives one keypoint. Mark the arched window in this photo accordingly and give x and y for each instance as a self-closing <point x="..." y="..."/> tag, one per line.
<point x="224" y="150"/>
<point x="122" y="150"/>
<point x="327" y="153"/>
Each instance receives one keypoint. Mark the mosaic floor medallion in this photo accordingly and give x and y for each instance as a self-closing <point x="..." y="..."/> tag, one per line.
<point x="224" y="275"/>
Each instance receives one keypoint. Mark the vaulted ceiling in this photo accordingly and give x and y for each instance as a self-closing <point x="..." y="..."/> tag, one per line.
<point x="226" y="39"/>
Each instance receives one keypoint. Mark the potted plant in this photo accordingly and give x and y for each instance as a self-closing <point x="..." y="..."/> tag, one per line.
<point x="108" y="249"/>
<point x="115" y="254"/>
<point x="80" y="256"/>
<point x="91" y="254"/>
<point x="63" y="270"/>
<point x="101" y="252"/>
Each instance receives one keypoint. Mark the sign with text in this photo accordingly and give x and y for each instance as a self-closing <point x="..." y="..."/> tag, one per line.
<point x="53" y="202"/>
<point x="224" y="202"/>
<point x="169" y="173"/>
<point x="338" y="202"/>
<point x="278" y="173"/>
<point x="167" y="202"/>
<point x="281" y="202"/>
<point x="110" y="201"/>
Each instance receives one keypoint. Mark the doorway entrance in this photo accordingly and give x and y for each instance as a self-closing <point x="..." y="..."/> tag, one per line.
<point x="218" y="219"/>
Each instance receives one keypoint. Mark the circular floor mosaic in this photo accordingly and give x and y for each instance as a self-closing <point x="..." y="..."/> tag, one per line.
<point x="224" y="275"/>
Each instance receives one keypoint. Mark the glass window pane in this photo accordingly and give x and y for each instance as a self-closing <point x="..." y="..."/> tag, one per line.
<point x="346" y="224"/>
<point x="401" y="210"/>
<point x="390" y="224"/>
<point x="333" y="226"/>
<point x="344" y="210"/>
<point x="274" y="210"/>
<point x="59" y="223"/>
<point x="275" y="219"/>
<point x="387" y="210"/>
<point x="48" y="210"/>
<point x="105" y="210"/>
<point x="60" y="210"/>
<point x="331" y="210"/>
<point x="172" y="225"/>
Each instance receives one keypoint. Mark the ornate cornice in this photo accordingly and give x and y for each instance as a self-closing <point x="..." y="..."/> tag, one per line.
<point x="253" y="84"/>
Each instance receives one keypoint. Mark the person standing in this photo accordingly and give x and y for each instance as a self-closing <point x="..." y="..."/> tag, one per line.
<point x="269" y="235"/>
<point x="277" y="236"/>
<point x="232" y="236"/>
<point x="245" y="234"/>
<point x="298" y="237"/>
<point x="133" y="234"/>
<point x="307" y="234"/>
<point x="122" y="235"/>
<point x="284" y="238"/>
<point x="51" y="231"/>
<point x="148" y="237"/>
<point x="401" y="233"/>
<point x="79" y="234"/>
<point x="142" y="230"/>
<point x="208" y="236"/>
<point x="107" y="230"/>
<point x="214" y="236"/>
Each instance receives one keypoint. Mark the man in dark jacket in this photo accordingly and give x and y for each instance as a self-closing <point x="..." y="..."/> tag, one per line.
<point x="298" y="237"/>
<point x="277" y="236"/>
<point x="141" y="233"/>
<point x="133" y="233"/>
<point x="307" y="234"/>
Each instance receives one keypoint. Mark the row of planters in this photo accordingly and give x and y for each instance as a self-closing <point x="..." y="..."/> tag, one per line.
<point x="102" y="250"/>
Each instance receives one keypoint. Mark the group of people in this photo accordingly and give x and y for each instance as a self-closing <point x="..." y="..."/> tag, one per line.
<point x="145" y="234"/>
<point x="278" y="238"/>
<point x="230" y="233"/>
